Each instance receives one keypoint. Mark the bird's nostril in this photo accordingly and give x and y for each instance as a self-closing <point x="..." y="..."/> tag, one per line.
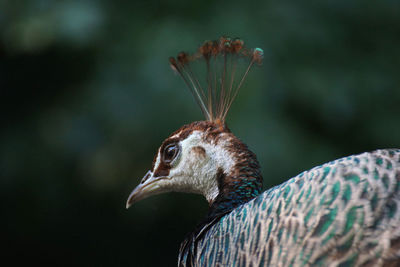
<point x="147" y="176"/>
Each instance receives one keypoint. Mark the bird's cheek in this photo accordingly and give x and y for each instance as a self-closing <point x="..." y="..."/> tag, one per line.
<point x="177" y="176"/>
<point x="198" y="152"/>
<point x="199" y="161"/>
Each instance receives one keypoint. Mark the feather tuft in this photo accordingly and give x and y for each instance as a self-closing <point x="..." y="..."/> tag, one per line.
<point x="222" y="76"/>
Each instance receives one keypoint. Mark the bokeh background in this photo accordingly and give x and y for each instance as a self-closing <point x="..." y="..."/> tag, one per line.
<point x="87" y="96"/>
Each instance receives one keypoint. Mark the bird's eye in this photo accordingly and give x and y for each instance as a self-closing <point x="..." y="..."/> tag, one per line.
<point x="170" y="153"/>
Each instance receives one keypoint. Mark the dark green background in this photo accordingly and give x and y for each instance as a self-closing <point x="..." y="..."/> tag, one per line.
<point x="87" y="96"/>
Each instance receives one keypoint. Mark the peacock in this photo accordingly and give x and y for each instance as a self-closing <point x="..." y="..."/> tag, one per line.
<point x="342" y="213"/>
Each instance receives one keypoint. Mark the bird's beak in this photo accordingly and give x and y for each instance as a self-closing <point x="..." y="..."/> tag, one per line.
<point x="148" y="186"/>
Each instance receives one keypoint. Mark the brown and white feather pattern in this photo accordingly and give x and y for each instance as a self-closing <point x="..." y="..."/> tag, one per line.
<point x="207" y="148"/>
<point x="343" y="213"/>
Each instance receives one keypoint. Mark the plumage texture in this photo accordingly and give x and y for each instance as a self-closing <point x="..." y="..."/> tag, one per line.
<point x="343" y="213"/>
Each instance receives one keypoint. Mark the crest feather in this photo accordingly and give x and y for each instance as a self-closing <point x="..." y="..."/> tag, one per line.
<point x="222" y="76"/>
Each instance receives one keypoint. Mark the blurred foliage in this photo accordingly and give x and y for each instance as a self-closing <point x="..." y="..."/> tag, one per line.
<point x="87" y="96"/>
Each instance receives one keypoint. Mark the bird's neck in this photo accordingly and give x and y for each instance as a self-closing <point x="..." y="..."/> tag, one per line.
<point x="236" y="187"/>
<point x="239" y="186"/>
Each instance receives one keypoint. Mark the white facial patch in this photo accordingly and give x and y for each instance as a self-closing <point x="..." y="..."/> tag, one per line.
<point x="196" y="169"/>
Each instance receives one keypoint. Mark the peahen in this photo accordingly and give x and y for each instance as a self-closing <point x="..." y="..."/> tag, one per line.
<point x="343" y="213"/>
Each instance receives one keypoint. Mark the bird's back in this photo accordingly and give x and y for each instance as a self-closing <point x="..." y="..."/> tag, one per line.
<point x="343" y="213"/>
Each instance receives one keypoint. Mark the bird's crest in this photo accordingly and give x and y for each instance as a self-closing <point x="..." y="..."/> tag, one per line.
<point x="220" y="78"/>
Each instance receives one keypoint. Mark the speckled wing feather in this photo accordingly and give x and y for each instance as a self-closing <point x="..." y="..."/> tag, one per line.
<point x="343" y="213"/>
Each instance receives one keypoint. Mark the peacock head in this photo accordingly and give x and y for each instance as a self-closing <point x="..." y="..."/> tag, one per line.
<point x="201" y="157"/>
<point x="205" y="157"/>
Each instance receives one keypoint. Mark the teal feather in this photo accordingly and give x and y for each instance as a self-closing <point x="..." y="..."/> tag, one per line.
<point x="343" y="213"/>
